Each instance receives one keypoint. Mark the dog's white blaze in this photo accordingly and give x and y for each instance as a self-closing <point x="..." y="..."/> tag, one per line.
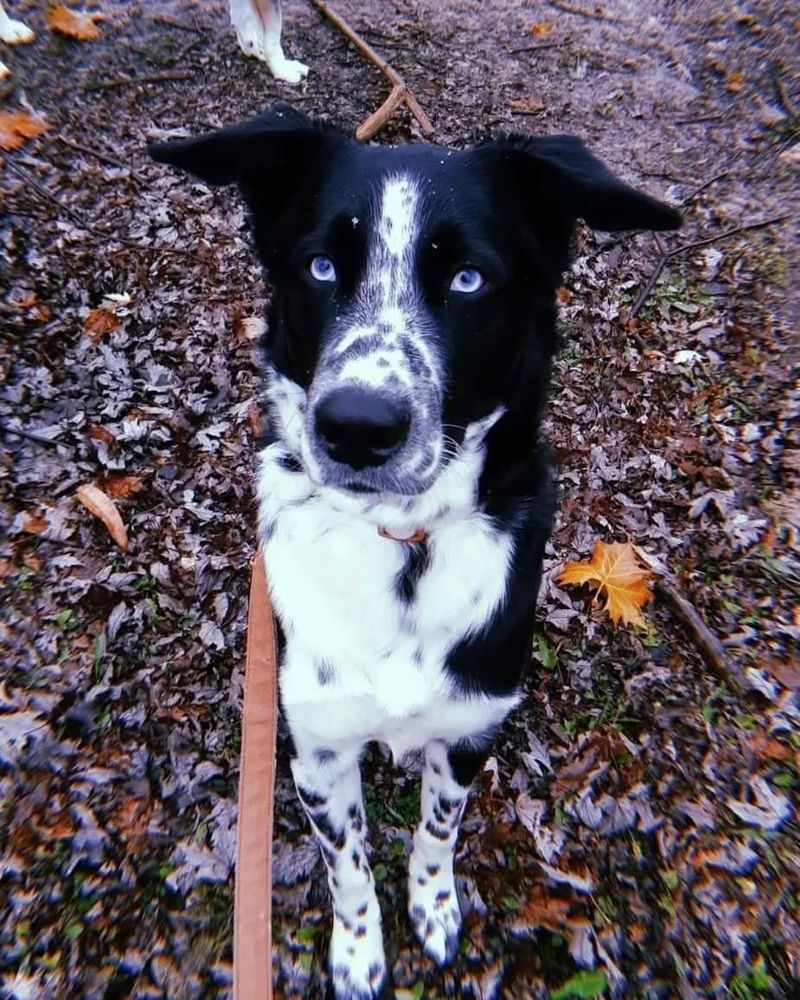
<point x="397" y="225"/>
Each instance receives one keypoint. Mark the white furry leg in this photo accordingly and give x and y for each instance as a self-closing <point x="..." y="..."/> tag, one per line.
<point x="258" y="27"/>
<point x="432" y="900"/>
<point x="329" y="787"/>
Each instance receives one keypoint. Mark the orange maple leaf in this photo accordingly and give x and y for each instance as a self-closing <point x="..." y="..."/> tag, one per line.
<point x="616" y="571"/>
<point x="73" y="23"/>
<point x="17" y="126"/>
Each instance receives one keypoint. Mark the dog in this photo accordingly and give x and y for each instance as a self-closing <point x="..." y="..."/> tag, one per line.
<point x="258" y="26"/>
<point x="404" y="487"/>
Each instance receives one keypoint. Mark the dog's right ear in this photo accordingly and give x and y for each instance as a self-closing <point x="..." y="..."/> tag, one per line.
<point x="279" y="139"/>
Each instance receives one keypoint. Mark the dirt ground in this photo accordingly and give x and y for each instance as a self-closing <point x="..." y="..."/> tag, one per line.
<point x="636" y="832"/>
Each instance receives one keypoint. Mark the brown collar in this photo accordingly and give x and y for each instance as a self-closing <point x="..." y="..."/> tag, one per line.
<point x="418" y="536"/>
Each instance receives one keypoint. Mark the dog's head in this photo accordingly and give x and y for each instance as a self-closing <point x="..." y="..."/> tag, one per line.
<point x="414" y="287"/>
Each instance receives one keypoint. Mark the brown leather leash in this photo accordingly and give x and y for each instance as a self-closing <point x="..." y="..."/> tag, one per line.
<point x="252" y="910"/>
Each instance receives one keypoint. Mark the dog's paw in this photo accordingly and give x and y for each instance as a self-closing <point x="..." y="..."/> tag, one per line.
<point x="357" y="962"/>
<point x="253" y="41"/>
<point x="15" y="32"/>
<point x="288" y="70"/>
<point x="434" y="911"/>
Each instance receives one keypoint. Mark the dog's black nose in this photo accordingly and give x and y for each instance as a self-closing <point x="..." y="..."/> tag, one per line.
<point x="361" y="428"/>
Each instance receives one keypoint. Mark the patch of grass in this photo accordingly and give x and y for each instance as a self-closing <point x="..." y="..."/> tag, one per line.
<point x="585" y="985"/>
<point x="753" y="982"/>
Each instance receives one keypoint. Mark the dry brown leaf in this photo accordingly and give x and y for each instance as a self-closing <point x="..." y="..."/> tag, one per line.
<point x="527" y="106"/>
<point x="102" y="506"/>
<point x="17" y="126"/>
<point x="617" y="571"/>
<point x="34" y="524"/>
<point x="73" y="23"/>
<point x="540" y="30"/>
<point x="99" y="322"/>
<point x="119" y="487"/>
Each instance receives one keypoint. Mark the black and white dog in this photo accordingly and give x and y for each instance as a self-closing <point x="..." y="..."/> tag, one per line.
<point x="405" y="498"/>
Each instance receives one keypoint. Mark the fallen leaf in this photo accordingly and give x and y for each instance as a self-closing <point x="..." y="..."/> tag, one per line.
<point x="585" y="986"/>
<point x="119" y="487"/>
<point x="102" y="506"/>
<point x="73" y="23"/>
<point x="17" y="126"/>
<point x="34" y="524"/>
<point x="99" y="322"/>
<point x="527" y="106"/>
<point x="616" y="570"/>
<point x="540" y="30"/>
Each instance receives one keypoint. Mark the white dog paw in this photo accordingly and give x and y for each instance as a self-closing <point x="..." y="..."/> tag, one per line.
<point x="288" y="70"/>
<point x="357" y="962"/>
<point x="254" y="42"/>
<point x="433" y="910"/>
<point x="15" y="32"/>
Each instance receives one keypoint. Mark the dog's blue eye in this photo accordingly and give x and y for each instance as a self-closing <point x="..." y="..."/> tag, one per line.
<point x="467" y="281"/>
<point x="322" y="269"/>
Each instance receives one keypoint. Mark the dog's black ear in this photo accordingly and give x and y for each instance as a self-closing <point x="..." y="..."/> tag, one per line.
<point x="560" y="172"/>
<point x="276" y="139"/>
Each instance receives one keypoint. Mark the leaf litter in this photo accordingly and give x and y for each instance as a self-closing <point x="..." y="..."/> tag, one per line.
<point x="638" y="826"/>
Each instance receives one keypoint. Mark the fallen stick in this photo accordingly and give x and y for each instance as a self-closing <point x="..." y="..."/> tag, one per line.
<point x="124" y="81"/>
<point x="400" y="93"/>
<point x="711" y="649"/>
<point x="669" y="254"/>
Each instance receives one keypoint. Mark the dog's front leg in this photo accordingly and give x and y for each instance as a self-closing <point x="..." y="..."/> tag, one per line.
<point x="329" y="787"/>
<point x="432" y="900"/>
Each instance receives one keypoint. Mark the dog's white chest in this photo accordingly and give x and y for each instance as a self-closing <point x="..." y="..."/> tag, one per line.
<point x="365" y="660"/>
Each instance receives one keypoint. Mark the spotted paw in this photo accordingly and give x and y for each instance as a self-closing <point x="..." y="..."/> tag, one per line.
<point x="14" y="32"/>
<point x="358" y="966"/>
<point x="434" y="911"/>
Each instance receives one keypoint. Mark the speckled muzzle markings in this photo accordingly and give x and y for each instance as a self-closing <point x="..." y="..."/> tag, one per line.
<point x="383" y="341"/>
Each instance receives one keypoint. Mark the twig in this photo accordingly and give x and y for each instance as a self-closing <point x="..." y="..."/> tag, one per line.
<point x="400" y="94"/>
<point x="595" y="15"/>
<point x="536" y="48"/>
<point x="173" y="23"/>
<point x="698" y="121"/>
<point x="786" y="101"/>
<point x="124" y="81"/>
<point x="709" y="645"/>
<point x="669" y="254"/>
<point x="28" y="435"/>
<point x="725" y="235"/>
<point x="102" y="157"/>
<point x="76" y="217"/>
<point x="703" y="186"/>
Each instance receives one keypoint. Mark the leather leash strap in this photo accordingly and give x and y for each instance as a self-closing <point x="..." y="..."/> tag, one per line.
<point x="252" y="912"/>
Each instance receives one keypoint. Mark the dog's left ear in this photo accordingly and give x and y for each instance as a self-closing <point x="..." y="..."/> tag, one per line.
<point x="279" y="141"/>
<point x="560" y="173"/>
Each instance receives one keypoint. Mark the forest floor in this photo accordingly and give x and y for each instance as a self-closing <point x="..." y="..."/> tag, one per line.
<point x="636" y="831"/>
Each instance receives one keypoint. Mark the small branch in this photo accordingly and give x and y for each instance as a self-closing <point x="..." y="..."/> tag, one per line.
<point x="704" y="186"/>
<point x="711" y="649"/>
<point x="786" y="101"/>
<point x="79" y="220"/>
<point x="173" y="23"/>
<point x="124" y="81"/>
<point x="725" y="235"/>
<point x="595" y="15"/>
<point x="668" y="255"/>
<point x="400" y="93"/>
<point x="96" y="153"/>
<point x="28" y="436"/>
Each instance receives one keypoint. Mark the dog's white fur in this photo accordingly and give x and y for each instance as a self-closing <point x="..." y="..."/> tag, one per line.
<point x="258" y="26"/>
<point x="360" y="663"/>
